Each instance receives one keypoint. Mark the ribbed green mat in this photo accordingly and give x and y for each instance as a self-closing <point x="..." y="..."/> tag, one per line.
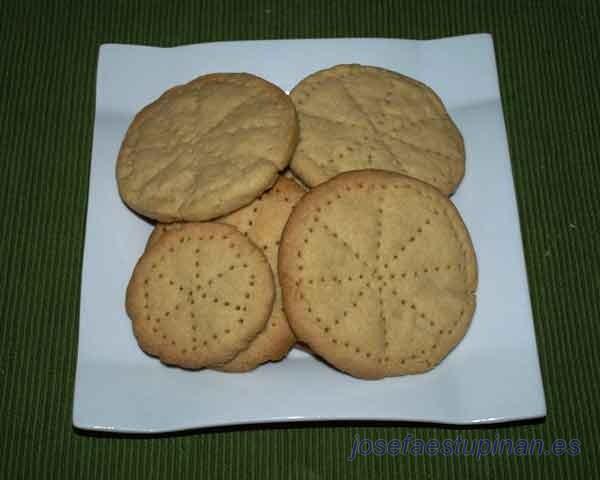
<point x="548" y="57"/>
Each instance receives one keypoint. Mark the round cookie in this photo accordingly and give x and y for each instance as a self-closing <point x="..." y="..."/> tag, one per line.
<point x="206" y="148"/>
<point x="355" y="117"/>
<point x="199" y="295"/>
<point x="378" y="274"/>
<point x="160" y="229"/>
<point x="262" y="222"/>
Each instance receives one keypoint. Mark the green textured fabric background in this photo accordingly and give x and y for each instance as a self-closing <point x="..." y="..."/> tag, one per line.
<point x="548" y="59"/>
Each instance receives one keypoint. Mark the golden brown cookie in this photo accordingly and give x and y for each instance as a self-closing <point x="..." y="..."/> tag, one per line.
<point x="378" y="273"/>
<point x="206" y="148"/>
<point x="160" y="229"/>
<point x="262" y="222"/>
<point x="355" y="117"/>
<point x="200" y="295"/>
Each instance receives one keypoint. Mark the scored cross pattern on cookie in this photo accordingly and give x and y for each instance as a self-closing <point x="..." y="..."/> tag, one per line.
<point x="261" y="222"/>
<point x="199" y="295"/>
<point x="206" y="148"/>
<point x="354" y="117"/>
<point x="381" y="284"/>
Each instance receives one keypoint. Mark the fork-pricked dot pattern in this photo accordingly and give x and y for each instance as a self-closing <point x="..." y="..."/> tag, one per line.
<point x="354" y="117"/>
<point x="378" y="274"/>
<point x="199" y="295"/>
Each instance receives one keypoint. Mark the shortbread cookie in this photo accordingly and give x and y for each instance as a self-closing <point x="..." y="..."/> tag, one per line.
<point x="160" y="229"/>
<point x="200" y="295"/>
<point x="262" y="222"/>
<point x="206" y="148"/>
<point x="355" y="117"/>
<point x="378" y="274"/>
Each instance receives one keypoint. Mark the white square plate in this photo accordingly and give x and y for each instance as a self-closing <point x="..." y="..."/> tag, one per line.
<point x="492" y="376"/>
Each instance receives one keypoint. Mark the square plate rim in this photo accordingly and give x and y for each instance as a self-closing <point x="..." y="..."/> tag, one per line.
<point x="77" y="418"/>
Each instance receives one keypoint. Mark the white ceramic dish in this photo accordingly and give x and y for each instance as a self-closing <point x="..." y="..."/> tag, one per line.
<point x="492" y="376"/>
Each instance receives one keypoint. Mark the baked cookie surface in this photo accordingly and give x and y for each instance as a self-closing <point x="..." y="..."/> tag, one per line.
<point x="199" y="295"/>
<point x="355" y="117"/>
<point x="262" y="222"/>
<point x="206" y="148"/>
<point x="378" y="274"/>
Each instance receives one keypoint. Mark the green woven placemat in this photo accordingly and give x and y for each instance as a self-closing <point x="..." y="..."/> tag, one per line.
<point x="548" y="59"/>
